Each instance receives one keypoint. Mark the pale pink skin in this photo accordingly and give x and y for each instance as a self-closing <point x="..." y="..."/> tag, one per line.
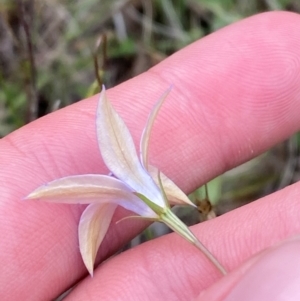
<point x="235" y="94"/>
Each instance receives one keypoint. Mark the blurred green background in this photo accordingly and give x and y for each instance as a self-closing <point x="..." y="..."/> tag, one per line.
<point x="46" y="63"/>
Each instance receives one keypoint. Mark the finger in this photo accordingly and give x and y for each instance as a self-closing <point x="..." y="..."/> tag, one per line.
<point x="257" y="113"/>
<point x="269" y="276"/>
<point x="168" y="268"/>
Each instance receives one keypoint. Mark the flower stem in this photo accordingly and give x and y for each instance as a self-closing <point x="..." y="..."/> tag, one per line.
<point x="172" y="221"/>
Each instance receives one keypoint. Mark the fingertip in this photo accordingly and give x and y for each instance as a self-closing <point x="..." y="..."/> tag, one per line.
<point x="267" y="276"/>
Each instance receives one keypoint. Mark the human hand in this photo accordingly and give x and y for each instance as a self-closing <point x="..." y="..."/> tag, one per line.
<point x="236" y="94"/>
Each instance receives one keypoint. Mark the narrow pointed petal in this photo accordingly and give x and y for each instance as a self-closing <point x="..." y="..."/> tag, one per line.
<point x="174" y="194"/>
<point x="86" y="189"/>
<point x="93" y="225"/>
<point x="118" y="151"/>
<point x="144" y="144"/>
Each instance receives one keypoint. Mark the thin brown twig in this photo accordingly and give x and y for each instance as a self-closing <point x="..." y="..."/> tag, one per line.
<point x="102" y="41"/>
<point x="32" y="93"/>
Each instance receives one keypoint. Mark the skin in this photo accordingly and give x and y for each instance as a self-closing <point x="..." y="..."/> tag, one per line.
<point x="236" y="93"/>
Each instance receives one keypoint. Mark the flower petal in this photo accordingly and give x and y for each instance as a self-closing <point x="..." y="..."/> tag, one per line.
<point x="93" y="225"/>
<point x="91" y="189"/>
<point x="174" y="194"/>
<point x="119" y="154"/>
<point x="144" y="144"/>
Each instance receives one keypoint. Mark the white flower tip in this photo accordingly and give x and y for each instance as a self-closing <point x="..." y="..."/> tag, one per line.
<point x="90" y="268"/>
<point x="88" y="260"/>
<point x="189" y="202"/>
<point x="28" y="197"/>
<point x="36" y="194"/>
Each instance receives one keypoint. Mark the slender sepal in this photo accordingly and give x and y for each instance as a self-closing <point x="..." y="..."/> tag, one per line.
<point x="93" y="225"/>
<point x="174" y="194"/>
<point x="84" y="189"/>
<point x="118" y="151"/>
<point x="144" y="143"/>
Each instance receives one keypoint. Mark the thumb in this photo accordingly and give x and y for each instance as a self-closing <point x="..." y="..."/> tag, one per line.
<point x="272" y="275"/>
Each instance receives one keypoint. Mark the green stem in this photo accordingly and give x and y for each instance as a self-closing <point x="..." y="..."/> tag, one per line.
<point x="172" y="221"/>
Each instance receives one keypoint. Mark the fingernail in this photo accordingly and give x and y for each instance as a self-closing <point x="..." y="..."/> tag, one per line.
<point x="272" y="275"/>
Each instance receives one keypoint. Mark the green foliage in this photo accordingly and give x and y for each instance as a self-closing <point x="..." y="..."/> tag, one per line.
<point x="63" y="34"/>
<point x="12" y="107"/>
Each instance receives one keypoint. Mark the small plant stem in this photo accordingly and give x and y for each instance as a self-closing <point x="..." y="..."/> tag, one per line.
<point x="172" y="221"/>
<point x="27" y="19"/>
<point x="102" y="41"/>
